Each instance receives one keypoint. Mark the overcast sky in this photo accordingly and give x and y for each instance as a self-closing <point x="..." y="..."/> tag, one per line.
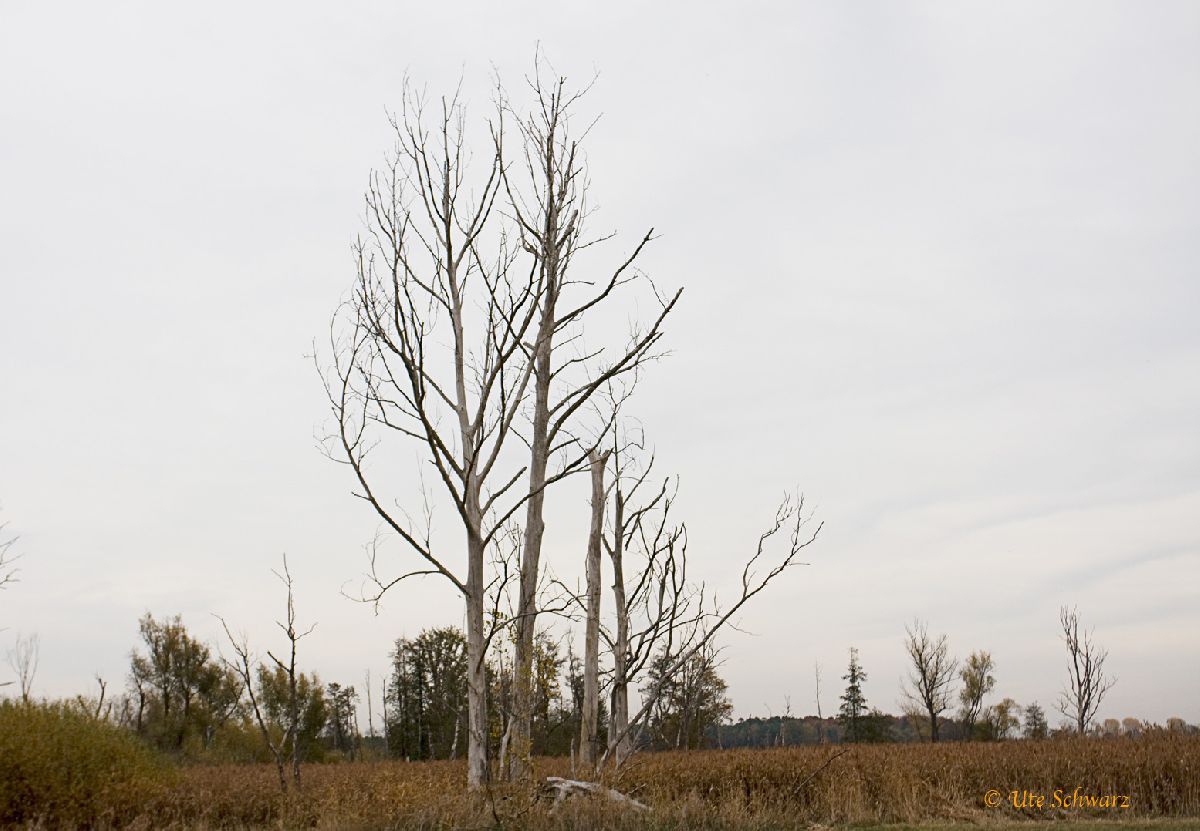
<point x="940" y="264"/>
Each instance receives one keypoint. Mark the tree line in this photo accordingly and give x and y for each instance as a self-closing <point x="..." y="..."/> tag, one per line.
<point x="938" y="684"/>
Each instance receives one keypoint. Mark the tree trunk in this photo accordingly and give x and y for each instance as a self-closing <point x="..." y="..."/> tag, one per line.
<point x="477" y="721"/>
<point x="589" y="723"/>
<point x="518" y="740"/>
<point x="619" y="742"/>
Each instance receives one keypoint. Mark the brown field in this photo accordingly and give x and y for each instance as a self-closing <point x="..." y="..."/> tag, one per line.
<point x="937" y="786"/>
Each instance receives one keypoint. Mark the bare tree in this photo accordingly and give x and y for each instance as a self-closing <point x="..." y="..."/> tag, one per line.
<point x="932" y="673"/>
<point x="977" y="682"/>
<point x="654" y="605"/>
<point x="288" y="751"/>
<point x="8" y="572"/>
<point x="685" y="638"/>
<point x="781" y="739"/>
<point x="589" y="732"/>
<point x="370" y="709"/>
<point x="1086" y="682"/>
<point x="432" y="348"/>
<point x="23" y="658"/>
<point x="244" y="667"/>
<point x="820" y="717"/>
<point x="98" y="708"/>
<point x="549" y="203"/>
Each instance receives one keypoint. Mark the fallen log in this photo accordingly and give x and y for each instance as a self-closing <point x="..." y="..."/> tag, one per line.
<point x="564" y="788"/>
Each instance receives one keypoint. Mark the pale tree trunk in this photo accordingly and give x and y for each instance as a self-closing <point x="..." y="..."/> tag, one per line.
<point x="477" y="720"/>
<point x="518" y="744"/>
<point x="589" y="723"/>
<point x="477" y="717"/>
<point x="421" y="269"/>
<point x="551" y="231"/>
<point x="619" y="741"/>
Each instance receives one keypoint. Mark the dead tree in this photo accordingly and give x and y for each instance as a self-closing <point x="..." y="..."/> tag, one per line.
<point x="100" y="709"/>
<point x="820" y="717"/>
<point x="548" y="200"/>
<point x="294" y="635"/>
<point x="8" y="572"/>
<point x="653" y="601"/>
<point x="1086" y="682"/>
<point x="685" y="635"/>
<point x="23" y="658"/>
<point x="288" y="751"/>
<point x="932" y="673"/>
<point x="432" y="348"/>
<point x="244" y="667"/>
<point x="589" y="734"/>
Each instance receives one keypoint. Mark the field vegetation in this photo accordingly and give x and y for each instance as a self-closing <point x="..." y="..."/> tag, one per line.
<point x="82" y="772"/>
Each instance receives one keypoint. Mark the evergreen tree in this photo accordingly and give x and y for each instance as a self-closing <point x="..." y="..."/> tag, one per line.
<point x="852" y="714"/>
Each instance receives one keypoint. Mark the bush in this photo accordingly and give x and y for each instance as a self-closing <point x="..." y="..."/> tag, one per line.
<point x="62" y="767"/>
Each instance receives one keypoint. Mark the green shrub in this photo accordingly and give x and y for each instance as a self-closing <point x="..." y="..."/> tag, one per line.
<point x="62" y="767"/>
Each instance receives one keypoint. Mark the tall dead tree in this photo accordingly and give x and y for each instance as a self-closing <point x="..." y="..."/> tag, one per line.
<point x="589" y="733"/>
<point x="1086" y="682"/>
<point x="932" y="673"/>
<point x="432" y="348"/>
<point x="547" y="196"/>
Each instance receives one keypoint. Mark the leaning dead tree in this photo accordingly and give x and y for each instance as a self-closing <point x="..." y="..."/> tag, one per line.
<point x="433" y="348"/>
<point x="287" y="752"/>
<point x="547" y="197"/>
<point x="932" y="673"/>
<point x="1086" y="682"/>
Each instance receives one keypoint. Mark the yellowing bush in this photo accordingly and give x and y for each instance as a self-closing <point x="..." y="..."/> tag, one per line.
<point x="61" y="767"/>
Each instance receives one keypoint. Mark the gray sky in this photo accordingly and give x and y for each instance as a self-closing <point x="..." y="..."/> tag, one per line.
<point x="940" y="269"/>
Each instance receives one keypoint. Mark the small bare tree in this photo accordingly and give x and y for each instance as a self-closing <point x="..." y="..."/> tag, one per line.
<point x="820" y="717"/>
<point x="23" y="658"/>
<point x="8" y="572"/>
<point x="1086" y="682"/>
<point x="287" y="751"/>
<point x="98" y="708"/>
<point x="932" y="673"/>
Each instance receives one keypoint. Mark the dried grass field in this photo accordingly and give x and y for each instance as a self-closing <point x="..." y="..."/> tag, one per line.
<point x="805" y="787"/>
